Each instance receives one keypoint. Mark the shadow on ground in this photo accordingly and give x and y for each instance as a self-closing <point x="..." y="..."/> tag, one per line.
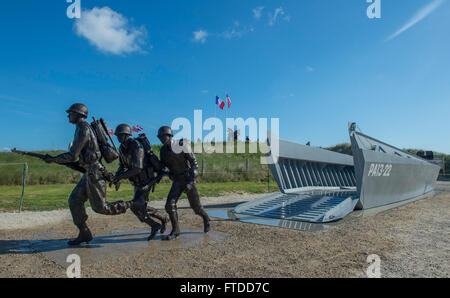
<point x="120" y="242"/>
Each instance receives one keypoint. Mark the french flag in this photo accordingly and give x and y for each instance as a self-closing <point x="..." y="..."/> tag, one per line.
<point x="136" y="129"/>
<point x="220" y="102"/>
<point x="228" y="101"/>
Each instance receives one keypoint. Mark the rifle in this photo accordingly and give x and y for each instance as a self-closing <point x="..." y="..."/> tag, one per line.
<point x="157" y="179"/>
<point x="105" y="127"/>
<point x="73" y="165"/>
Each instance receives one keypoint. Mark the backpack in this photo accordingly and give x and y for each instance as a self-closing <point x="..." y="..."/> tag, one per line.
<point x="152" y="160"/>
<point x="109" y="153"/>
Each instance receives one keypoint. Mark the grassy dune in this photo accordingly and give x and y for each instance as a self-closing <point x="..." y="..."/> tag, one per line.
<point x="48" y="186"/>
<point x="217" y="168"/>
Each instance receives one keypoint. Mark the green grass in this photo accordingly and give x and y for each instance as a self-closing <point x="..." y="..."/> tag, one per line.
<point x="216" y="167"/>
<point x="52" y="197"/>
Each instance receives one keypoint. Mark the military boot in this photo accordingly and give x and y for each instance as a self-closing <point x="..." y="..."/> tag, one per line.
<point x="155" y="227"/>
<point x="175" y="227"/>
<point x="206" y="221"/>
<point x="85" y="235"/>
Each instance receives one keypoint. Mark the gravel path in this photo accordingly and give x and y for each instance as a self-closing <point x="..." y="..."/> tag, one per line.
<point x="411" y="240"/>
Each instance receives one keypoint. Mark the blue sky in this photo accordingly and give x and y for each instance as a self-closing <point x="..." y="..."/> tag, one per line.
<point x="314" y="64"/>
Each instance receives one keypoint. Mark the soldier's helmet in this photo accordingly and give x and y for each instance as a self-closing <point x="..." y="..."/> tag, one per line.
<point x="79" y="108"/>
<point x="123" y="129"/>
<point x="165" y="130"/>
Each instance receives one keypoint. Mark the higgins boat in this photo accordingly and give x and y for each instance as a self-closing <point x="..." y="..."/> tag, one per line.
<point x="321" y="186"/>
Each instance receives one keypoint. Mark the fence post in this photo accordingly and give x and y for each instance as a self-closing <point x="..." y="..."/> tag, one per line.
<point x="203" y="167"/>
<point x="268" y="179"/>
<point x="24" y="176"/>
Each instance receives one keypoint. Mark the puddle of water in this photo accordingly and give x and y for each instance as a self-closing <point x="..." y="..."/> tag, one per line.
<point x="118" y="243"/>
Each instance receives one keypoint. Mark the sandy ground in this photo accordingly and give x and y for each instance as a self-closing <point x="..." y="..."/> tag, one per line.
<point x="411" y="241"/>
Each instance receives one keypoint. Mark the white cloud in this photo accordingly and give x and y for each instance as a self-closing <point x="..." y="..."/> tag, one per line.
<point x="205" y="91"/>
<point x="236" y="32"/>
<point x="416" y="18"/>
<point x="200" y="36"/>
<point x="309" y="68"/>
<point x="279" y="12"/>
<point x="6" y="149"/>
<point x="110" y="32"/>
<point x="257" y="12"/>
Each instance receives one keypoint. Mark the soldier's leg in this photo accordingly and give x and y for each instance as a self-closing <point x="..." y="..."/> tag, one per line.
<point x="76" y="205"/>
<point x="76" y="202"/>
<point x="153" y="212"/>
<point x="139" y="208"/>
<point x="171" y="208"/>
<point x="196" y="205"/>
<point x="96" y="191"/>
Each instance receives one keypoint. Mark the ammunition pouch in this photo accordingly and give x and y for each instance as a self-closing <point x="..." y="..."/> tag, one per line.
<point x="108" y="152"/>
<point x="96" y="170"/>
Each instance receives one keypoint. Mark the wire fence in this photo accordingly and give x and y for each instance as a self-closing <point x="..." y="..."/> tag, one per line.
<point x="215" y="167"/>
<point x="16" y="167"/>
<point x="20" y="174"/>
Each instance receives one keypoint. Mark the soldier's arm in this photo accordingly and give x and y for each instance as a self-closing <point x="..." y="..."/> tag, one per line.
<point x="156" y="163"/>
<point x="121" y="168"/>
<point x="75" y="166"/>
<point x="162" y="162"/>
<point x="194" y="164"/>
<point x="163" y="168"/>
<point x="137" y="163"/>
<point x="190" y="157"/>
<point x="80" y="140"/>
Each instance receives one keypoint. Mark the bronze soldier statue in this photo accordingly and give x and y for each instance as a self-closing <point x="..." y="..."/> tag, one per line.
<point x="86" y="154"/>
<point x="138" y="165"/>
<point x="183" y="170"/>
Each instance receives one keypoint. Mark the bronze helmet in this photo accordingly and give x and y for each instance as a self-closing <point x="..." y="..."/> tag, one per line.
<point x="79" y="108"/>
<point x="165" y="130"/>
<point x="123" y="129"/>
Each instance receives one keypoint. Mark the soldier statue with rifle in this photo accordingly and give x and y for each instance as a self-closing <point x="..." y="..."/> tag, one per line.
<point x="138" y="164"/>
<point x="85" y="155"/>
<point x="178" y="157"/>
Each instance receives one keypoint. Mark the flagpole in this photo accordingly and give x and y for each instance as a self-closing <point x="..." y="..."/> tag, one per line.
<point x="228" y="104"/>
<point x="226" y="112"/>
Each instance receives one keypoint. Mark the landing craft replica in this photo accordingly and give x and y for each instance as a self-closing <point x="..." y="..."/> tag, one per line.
<point x="320" y="186"/>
